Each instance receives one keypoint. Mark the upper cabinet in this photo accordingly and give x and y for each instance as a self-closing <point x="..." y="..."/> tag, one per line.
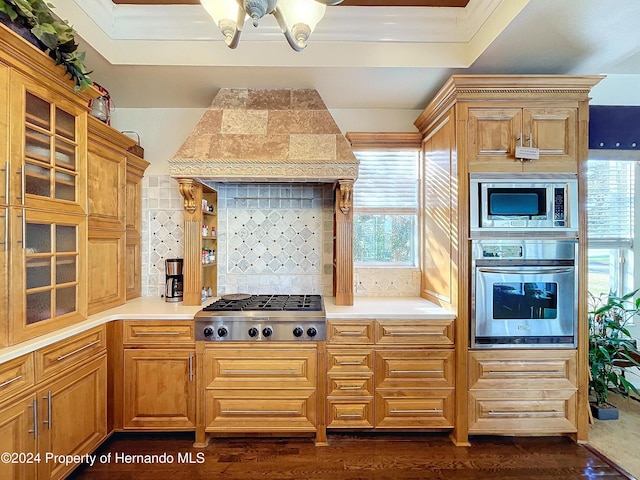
<point x="48" y="147"/>
<point x="495" y="131"/>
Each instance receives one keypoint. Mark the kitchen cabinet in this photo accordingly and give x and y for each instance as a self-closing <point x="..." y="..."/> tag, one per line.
<point x="390" y="374"/>
<point x="48" y="271"/>
<point x="48" y="146"/>
<point x="158" y="372"/>
<point x="200" y="240"/>
<point x="259" y="388"/>
<point x="133" y="238"/>
<point x="4" y="276"/>
<point x="495" y="130"/>
<point x="526" y="391"/>
<point x="18" y="433"/>
<point x="472" y="125"/>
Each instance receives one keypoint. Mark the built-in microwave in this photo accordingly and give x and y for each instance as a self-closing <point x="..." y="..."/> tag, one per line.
<point x="532" y="204"/>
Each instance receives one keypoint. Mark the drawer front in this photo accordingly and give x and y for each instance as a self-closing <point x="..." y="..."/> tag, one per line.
<point x="424" y="332"/>
<point x="409" y="369"/>
<point x="260" y="368"/>
<point x="350" y="414"/>
<point x="522" y="412"/>
<point x="349" y="361"/>
<point x="16" y="376"/>
<point x="350" y="386"/>
<point x="156" y="333"/>
<point x="350" y="332"/>
<point x="426" y="409"/>
<point x="75" y="350"/>
<point x="250" y="411"/>
<point x="526" y="370"/>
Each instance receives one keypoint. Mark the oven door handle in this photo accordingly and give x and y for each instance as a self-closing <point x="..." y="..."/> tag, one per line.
<point x="532" y="271"/>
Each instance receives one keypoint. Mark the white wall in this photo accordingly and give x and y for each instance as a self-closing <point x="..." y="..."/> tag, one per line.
<point x="617" y="90"/>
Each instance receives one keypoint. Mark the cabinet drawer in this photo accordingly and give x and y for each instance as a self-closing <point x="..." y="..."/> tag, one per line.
<point x="62" y="355"/>
<point x="350" y="414"/>
<point x="350" y="386"/>
<point x="526" y="370"/>
<point x="350" y="331"/>
<point x="16" y="376"/>
<point x="406" y="369"/>
<point x="424" y="332"/>
<point x="157" y="333"/>
<point x="349" y="361"/>
<point x="522" y="411"/>
<point x="231" y="411"/>
<point x="268" y="368"/>
<point x="420" y="409"/>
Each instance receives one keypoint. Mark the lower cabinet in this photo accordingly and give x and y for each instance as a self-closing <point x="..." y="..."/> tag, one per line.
<point x="522" y="392"/>
<point x="159" y="389"/>
<point x="67" y="416"/>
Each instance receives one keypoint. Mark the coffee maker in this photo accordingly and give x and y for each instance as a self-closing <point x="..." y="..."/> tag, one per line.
<point x="173" y="285"/>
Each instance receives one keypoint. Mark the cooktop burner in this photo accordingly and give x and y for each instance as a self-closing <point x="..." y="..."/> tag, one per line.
<point x="311" y="303"/>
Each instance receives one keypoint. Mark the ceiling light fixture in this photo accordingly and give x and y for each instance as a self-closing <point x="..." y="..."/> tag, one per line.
<point x="296" y="18"/>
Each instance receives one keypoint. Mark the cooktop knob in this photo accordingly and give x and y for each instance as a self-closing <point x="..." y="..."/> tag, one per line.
<point x="208" y="331"/>
<point x="253" y="332"/>
<point x="312" y="332"/>
<point x="298" y="331"/>
<point x="223" y="332"/>
<point x="267" y="331"/>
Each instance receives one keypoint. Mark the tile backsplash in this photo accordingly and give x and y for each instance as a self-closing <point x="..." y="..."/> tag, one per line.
<point x="272" y="238"/>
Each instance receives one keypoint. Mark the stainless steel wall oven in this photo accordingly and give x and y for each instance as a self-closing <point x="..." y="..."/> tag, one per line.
<point x="524" y="293"/>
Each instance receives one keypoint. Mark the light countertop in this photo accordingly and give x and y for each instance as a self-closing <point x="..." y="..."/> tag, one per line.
<point x="155" y="308"/>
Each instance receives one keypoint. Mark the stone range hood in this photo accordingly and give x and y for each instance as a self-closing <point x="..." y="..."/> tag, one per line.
<point x="284" y="135"/>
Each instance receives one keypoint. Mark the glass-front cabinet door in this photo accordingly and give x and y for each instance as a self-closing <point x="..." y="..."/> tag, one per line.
<point x="48" y="272"/>
<point x="48" y="148"/>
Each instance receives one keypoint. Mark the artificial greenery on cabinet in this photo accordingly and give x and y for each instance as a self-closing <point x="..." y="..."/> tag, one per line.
<point x="54" y="35"/>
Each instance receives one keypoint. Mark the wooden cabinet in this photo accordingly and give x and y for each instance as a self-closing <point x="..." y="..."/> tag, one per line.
<point x="200" y="240"/>
<point x="133" y="256"/>
<point x="158" y="375"/>
<point x="523" y="392"/>
<point x="18" y="434"/>
<point x="259" y="388"/>
<point x="390" y="374"/>
<point x="48" y="272"/>
<point x="4" y="276"/>
<point x="495" y="131"/>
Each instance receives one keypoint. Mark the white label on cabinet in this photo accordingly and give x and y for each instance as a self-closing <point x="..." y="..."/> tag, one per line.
<point x="527" y="153"/>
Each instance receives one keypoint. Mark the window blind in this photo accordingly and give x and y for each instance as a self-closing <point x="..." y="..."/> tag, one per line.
<point x="610" y="187"/>
<point x="387" y="182"/>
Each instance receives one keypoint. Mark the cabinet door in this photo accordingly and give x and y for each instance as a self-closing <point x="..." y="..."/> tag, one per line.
<point x="4" y="277"/>
<point x="554" y="132"/>
<point x="493" y="134"/>
<point x="133" y="263"/>
<point x="47" y="272"/>
<point x="4" y="133"/>
<point x="18" y="434"/>
<point x="73" y="416"/>
<point x="159" y="389"/>
<point x="48" y="147"/>
<point x="106" y="269"/>
<point x="106" y="177"/>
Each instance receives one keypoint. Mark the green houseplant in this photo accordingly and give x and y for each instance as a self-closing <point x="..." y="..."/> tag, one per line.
<point x="611" y="348"/>
<point x="55" y="35"/>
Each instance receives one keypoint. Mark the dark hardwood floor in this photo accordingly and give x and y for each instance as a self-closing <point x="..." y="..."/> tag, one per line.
<point x="349" y="457"/>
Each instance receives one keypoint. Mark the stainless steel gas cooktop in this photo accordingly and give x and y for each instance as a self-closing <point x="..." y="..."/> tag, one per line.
<point x="263" y="318"/>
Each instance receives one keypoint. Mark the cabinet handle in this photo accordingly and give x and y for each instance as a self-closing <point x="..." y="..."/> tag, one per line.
<point x="260" y="412"/>
<point x="77" y="350"/>
<point x="350" y="415"/>
<point x="509" y="414"/>
<point x="34" y="405"/>
<point x="417" y="371"/>
<point x="191" y="367"/>
<point x="272" y="372"/>
<point x="48" y="420"/>
<point x="350" y="387"/>
<point x="350" y="363"/>
<point x="347" y="332"/>
<point x="433" y="410"/>
<point x="21" y="173"/>
<point x="159" y="333"/>
<point x="8" y="382"/>
<point x="526" y="373"/>
<point x="399" y="334"/>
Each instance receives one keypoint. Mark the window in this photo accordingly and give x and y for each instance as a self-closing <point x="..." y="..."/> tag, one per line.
<point x="386" y="207"/>
<point x="610" y="225"/>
